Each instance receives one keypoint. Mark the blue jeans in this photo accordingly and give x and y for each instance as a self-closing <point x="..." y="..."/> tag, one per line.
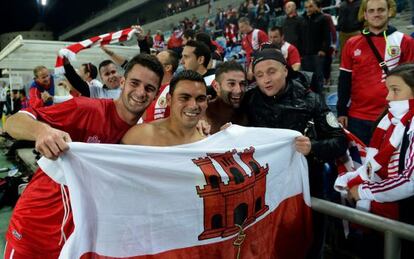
<point x="361" y="128"/>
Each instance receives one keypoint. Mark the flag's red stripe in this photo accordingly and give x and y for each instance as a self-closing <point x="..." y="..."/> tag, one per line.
<point x="285" y="233"/>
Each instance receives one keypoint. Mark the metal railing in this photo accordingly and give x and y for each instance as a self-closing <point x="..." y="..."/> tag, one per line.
<point x="393" y="230"/>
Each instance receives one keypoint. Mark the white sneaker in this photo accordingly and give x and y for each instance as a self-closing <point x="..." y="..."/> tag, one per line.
<point x="411" y="26"/>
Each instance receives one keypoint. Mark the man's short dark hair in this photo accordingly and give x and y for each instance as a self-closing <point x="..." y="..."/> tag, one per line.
<point x="201" y="50"/>
<point x="228" y="66"/>
<point x="91" y="69"/>
<point x="277" y="28"/>
<point x="148" y="61"/>
<point x="189" y="33"/>
<point x="104" y="64"/>
<point x="173" y="59"/>
<point x="206" y="39"/>
<point x="186" y="75"/>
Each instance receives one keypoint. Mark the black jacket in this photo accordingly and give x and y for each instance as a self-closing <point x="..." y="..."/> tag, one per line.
<point x="348" y="16"/>
<point x="315" y="35"/>
<point x="292" y="109"/>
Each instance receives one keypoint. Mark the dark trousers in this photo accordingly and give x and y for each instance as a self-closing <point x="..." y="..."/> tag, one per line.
<point x="361" y="128"/>
<point x="314" y="63"/>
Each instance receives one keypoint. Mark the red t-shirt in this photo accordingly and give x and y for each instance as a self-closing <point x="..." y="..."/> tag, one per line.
<point x="290" y="53"/>
<point x="368" y="89"/>
<point x="252" y="42"/>
<point x="35" y="226"/>
<point x="158" y="109"/>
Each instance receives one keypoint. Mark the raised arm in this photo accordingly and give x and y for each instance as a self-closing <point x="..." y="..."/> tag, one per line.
<point x="50" y="142"/>
<point x="75" y="80"/>
<point x="119" y="60"/>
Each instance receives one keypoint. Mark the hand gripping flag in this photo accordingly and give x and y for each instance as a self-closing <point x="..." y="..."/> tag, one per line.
<point x="104" y="39"/>
<point x="241" y="193"/>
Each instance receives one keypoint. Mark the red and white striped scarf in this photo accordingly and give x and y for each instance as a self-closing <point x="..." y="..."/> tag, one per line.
<point x="386" y="141"/>
<point x="383" y="154"/>
<point x="107" y="38"/>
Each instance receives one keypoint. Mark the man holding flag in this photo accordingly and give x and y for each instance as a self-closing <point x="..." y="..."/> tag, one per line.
<point x="42" y="219"/>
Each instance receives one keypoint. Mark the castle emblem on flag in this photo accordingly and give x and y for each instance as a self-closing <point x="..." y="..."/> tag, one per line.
<point x="240" y="201"/>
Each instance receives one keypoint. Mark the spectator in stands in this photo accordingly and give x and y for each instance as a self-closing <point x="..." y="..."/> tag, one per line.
<point x="282" y="100"/>
<point x="289" y="51"/>
<point x="252" y="39"/>
<point x="396" y="171"/>
<point x="244" y="9"/>
<point x="360" y="65"/>
<point x="220" y="19"/>
<point x="196" y="56"/>
<point x="231" y="34"/>
<point x="316" y="40"/>
<point x="175" y="42"/>
<point x="332" y="48"/>
<point x="109" y="75"/>
<point x="262" y="15"/>
<point x="158" y="109"/>
<point x="276" y="12"/>
<point x="292" y="25"/>
<point x="42" y="89"/>
<point x="188" y="34"/>
<point x="348" y="23"/>
<point x="159" y="43"/>
<point x="216" y="50"/>
<point x="40" y="222"/>
<point x="88" y="72"/>
<point x="230" y="85"/>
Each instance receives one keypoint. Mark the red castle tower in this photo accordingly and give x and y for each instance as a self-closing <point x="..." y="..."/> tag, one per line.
<point x="240" y="201"/>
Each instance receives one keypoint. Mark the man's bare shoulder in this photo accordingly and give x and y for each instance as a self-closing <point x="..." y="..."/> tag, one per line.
<point x="143" y="134"/>
<point x="137" y="134"/>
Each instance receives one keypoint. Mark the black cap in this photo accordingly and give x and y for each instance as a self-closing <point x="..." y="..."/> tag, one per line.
<point x="266" y="54"/>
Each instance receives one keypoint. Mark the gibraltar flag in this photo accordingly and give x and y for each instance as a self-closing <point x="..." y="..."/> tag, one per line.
<point x="241" y="193"/>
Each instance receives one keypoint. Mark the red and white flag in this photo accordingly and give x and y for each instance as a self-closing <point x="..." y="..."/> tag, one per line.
<point x="241" y="193"/>
<point x="104" y="39"/>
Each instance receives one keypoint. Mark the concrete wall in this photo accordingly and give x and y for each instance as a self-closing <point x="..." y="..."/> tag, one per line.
<point x="29" y="35"/>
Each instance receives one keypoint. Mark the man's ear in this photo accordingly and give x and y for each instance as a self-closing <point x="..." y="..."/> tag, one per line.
<point x="200" y="60"/>
<point x="216" y="85"/>
<point x="168" y="68"/>
<point x="122" y="82"/>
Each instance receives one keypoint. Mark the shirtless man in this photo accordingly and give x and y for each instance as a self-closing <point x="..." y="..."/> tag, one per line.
<point x="187" y="100"/>
<point x="230" y="85"/>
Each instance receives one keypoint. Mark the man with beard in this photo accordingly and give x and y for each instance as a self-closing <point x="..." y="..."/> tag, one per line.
<point x="109" y="75"/>
<point x="41" y="221"/>
<point x="42" y="89"/>
<point x="289" y="51"/>
<point x="187" y="99"/>
<point x="362" y="76"/>
<point x="230" y="84"/>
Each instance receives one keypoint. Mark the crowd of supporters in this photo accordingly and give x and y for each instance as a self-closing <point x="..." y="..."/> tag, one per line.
<point x="249" y="40"/>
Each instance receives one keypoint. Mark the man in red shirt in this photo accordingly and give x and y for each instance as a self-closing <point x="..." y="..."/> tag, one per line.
<point x="252" y="38"/>
<point x="289" y="51"/>
<point x="361" y="79"/>
<point x="159" y="109"/>
<point x="41" y="220"/>
<point x="42" y="89"/>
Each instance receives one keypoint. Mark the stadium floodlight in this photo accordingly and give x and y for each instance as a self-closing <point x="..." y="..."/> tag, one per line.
<point x="43" y="2"/>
